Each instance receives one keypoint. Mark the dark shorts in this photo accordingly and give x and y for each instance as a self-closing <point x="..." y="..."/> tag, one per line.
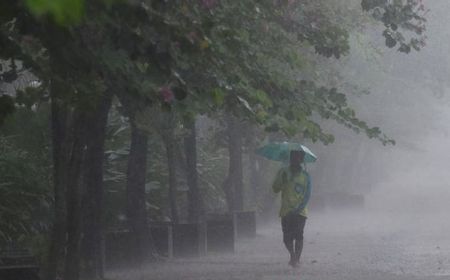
<point x="293" y="225"/>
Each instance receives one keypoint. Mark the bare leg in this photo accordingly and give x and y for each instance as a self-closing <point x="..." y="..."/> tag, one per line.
<point x="298" y="250"/>
<point x="289" y="236"/>
<point x="289" y="243"/>
<point x="299" y="239"/>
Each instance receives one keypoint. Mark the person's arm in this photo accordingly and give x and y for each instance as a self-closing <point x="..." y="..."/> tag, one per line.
<point x="306" y="196"/>
<point x="279" y="181"/>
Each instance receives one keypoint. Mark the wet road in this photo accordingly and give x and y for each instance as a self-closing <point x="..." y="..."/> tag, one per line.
<point x="338" y="246"/>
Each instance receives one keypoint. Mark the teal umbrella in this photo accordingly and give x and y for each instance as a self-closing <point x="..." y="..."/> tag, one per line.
<point x="280" y="151"/>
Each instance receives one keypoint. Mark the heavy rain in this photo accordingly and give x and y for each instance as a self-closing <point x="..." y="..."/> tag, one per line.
<point x="224" y="139"/>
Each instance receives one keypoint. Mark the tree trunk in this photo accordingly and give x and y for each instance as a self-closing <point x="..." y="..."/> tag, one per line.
<point x="59" y="123"/>
<point x="255" y="179"/>
<point x="93" y="197"/>
<point x="68" y="149"/>
<point x="143" y="247"/>
<point x="169" y="140"/>
<point x="235" y="171"/>
<point x="254" y="165"/>
<point x="74" y="192"/>
<point x="195" y="201"/>
<point x="229" y="193"/>
<point x="136" y="202"/>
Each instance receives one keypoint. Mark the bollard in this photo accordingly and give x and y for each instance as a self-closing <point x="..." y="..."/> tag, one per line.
<point x="220" y="233"/>
<point x="188" y="240"/>
<point x="162" y="234"/>
<point x="245" y="224"/>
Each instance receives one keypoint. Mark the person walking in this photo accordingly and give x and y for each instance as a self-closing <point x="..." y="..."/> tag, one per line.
<point x="294" y="183"/>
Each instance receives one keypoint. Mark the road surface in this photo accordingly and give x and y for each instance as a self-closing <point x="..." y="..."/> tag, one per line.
<point x="337" y="247"/>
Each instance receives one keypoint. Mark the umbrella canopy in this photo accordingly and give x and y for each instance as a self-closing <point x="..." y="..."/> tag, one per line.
<point x="280" y="151"/>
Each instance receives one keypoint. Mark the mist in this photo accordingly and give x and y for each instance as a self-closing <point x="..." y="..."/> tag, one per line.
<point x="409" y="100"/>
<point x="225" y="140"/>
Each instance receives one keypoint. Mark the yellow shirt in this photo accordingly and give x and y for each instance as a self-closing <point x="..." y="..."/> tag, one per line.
<point x="295" y="191"/>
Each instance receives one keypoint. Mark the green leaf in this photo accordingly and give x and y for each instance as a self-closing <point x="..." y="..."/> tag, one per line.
<point x="63" y="12"/>
<point x="218" y="96"/>
<point x="262" y="98"/>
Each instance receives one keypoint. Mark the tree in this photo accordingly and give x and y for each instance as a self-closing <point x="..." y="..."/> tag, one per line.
<point x="234" y="183"/>
<point x="93" y="217"/>
<point x="196" y="204"/>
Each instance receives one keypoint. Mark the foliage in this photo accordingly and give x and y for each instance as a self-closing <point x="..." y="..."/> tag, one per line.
<point x="212" y="164"/>
<point x="400" y="14"/>
<point x="62" y="11"/>
<point x="242" y="56"/>
<point x="6" y="107"/>
<point x="253" y="68"/>
<point x="25" y="181"/>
